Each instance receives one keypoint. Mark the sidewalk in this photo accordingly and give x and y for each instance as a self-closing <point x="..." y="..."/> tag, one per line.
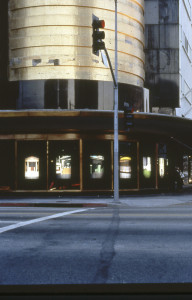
<point x="67" y="201"/>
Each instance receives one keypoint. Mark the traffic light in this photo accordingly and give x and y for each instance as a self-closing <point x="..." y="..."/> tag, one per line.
<point x="98" y="36"/>
<point x="128" y="116"/>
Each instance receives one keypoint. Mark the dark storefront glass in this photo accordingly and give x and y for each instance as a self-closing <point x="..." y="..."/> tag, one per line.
<point x="97" y="165"/>
<point x="31" y="162"/>
<point x="190" y="169"/>
<point x="127" y="165"/>
<point x="7" y="165"/>
<point x="64" y="165"/>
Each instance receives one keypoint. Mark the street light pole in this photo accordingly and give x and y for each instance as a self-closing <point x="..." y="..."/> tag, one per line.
<point x="116" y="139"/>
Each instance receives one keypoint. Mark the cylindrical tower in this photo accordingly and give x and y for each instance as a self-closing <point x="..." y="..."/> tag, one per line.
<point x="52" y="39"/>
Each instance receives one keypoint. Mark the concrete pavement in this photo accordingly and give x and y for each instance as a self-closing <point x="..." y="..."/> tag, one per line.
<point x="131" y="200"/>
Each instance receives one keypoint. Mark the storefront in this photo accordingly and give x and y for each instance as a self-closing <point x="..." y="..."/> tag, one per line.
<point x="81" y="160"/>
<point x="82" y="165"/>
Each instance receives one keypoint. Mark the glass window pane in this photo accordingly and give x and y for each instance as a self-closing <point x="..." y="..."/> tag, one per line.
<point x="125" y="167"/>
<point x="63" y="167"/>
<point x="147" y="166"/>
<point x="96" y="166"/>
<point x="163" y="166"/>
<point x="32" y="167"/>
<point x="190" y="169"/>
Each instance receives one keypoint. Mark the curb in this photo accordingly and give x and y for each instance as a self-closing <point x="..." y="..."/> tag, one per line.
<point x="53" y="205"/>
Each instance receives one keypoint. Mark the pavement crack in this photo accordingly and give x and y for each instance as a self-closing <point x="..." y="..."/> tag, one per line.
<point x="108" y="252"/>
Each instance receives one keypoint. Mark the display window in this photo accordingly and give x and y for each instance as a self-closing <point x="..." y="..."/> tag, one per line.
<point x="147" y="166"/>
<point x="32" y="167"/>
<point x="32" y="163"/>
<point x="97" y="168"/>
<point x="163" y="167"/>
<point x="127" y="165"/>
<point x="64" y="165"/>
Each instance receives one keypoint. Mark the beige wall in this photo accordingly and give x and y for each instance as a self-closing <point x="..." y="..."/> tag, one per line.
<point x="41" y="31"/>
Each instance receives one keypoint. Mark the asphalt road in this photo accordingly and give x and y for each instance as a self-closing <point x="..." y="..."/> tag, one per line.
<point x="116" y="244"/>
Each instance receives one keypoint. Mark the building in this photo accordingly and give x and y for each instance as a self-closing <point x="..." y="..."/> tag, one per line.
<point x="168" y="39"/>
<point x="168" y="49"/>
<point x="56" y="117"/>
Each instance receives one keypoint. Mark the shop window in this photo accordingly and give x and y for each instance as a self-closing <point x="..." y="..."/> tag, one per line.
<point x="125" y="167"/>
<point x="63" y="167"/>
<point x="31" y="162"/>
<point x="163" y="166"/>
<point x="32" y="167"/>
<point x="96" y="166"/>
<point x="147" y="166"/>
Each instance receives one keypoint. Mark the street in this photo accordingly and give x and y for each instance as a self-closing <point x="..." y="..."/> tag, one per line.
<point x="114" y="244"/>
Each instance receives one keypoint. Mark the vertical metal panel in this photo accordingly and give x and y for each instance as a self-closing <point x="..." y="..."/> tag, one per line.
<point x="53" y="39"/>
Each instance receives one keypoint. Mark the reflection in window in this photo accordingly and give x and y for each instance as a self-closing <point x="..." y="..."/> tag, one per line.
<point x="96" y="166"/>
<point x="32" y="167"/>
<point x="125" y="167"/>
<point x="147" y="166"/>
<point x="63" y="167"/>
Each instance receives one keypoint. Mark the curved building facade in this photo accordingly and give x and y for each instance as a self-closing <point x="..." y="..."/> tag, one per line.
<point x="53" y="40"/>
<point x="51" y="59"/>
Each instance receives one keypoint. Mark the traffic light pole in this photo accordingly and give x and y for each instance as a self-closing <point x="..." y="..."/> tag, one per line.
<point x="116" y="123"/>
<point x="111" y="68"/>
<point x="98" y="44"/>
<point x="116" y="138"/>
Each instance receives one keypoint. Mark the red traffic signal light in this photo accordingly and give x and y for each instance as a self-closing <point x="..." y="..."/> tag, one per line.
<point x="98" y="24"/>
<point x="98" y="36"/>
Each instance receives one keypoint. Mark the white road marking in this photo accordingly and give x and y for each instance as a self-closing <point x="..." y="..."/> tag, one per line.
<point x="21" y="224"/>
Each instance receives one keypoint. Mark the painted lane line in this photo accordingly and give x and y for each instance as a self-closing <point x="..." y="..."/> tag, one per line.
<point x="21" y="224"/>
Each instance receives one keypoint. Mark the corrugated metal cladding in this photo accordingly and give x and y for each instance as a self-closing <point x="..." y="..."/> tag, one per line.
<point x="51" y="39"/>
